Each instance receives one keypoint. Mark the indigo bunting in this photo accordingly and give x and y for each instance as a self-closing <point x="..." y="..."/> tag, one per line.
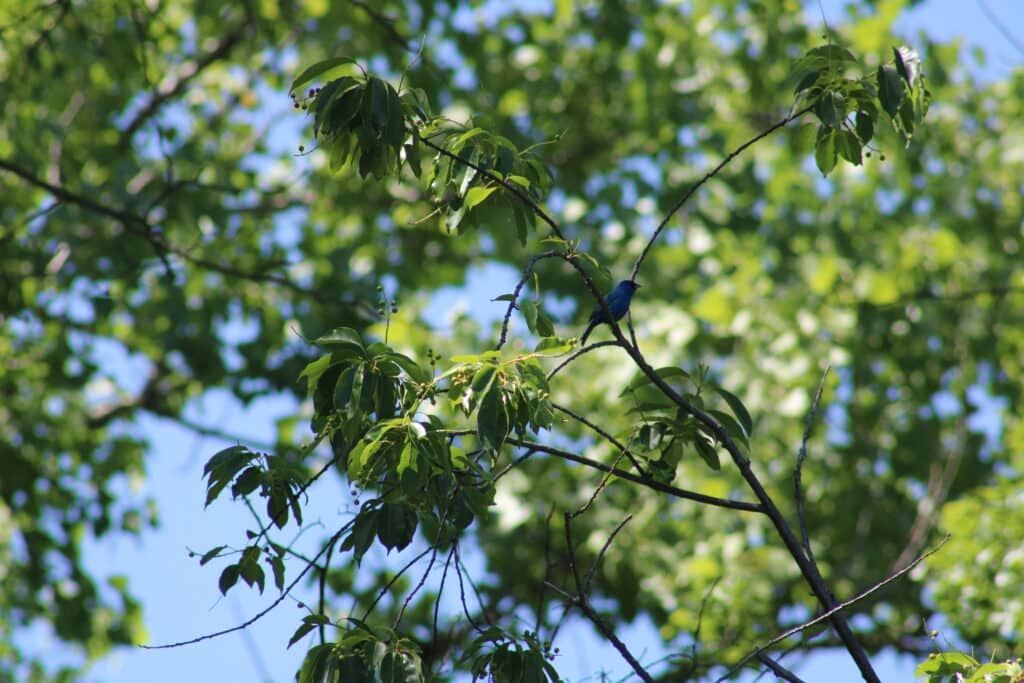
<point x="618" y="303"/>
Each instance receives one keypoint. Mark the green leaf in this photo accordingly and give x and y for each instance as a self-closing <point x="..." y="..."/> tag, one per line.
<point x="908" y="63"/>
<point x="252" y="573"/>
<point x="478" y="194"/>
<point x="831" y="109"/>
<point x="301" y="632"/>
<point x="848" y="146"/>
<point x="807" y="81"/>
<point x="731" y="426"/>
<point x="400" y="667"/>
<point x="667" y="373"/>
<point x="341" y="336"/>
<point x="311" y="72"/>
<point x="343" y="387"/>
<point x="891" y="90"/>
<point x="364" y="529"/>
<point x="228" y="578"/>
<point x="907" y="116"/>
<point x="833" y="54"/>
<point x="825" y="155"/>
<point x="865" y="126"/>
<point x="211" y="554"/>
<point x="277" y="566"/>
<point x="394" y="127"/>
<point x="396" y="525"/>
<point x="553" y="345"/>
<point x="545" y="328"/>
<point x="529" y="309"/>
<point x="492" y="419"/>
<point x="708" y="453"/>
<point x="737" y="407"/>
<point x="321" y="665"/>
<point x="247" y="482"/>
<point x="414" y="370"/>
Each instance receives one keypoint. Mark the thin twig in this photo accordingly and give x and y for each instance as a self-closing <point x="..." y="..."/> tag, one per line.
<point x="829" y="613"/>
<point x="259" y="615"/>
<point x="462" y="592"/>
<point x="416" y="589"/>
<point x="708" y="176"/>
<point x="999" y="26"/>
<point x="600" y="555"/>
<point x="580" y="600"/>
<point x="611" y="439"/>
<point x="577" y="354"/>
<point x="519" y="287"/>
<point x="798" y="470"/>
<point x="391" y="582"/>
<point x="440" y="591"/>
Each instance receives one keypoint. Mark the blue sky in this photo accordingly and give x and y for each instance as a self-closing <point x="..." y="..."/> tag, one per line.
<point x="181" y="599"/>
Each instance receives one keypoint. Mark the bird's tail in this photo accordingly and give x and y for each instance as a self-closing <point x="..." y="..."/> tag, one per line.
<point x="586" y="332"/>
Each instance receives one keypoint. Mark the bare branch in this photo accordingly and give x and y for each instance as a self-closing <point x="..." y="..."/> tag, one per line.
<point x="1001" y="27"/>
<point x="519" y="287"/>
<point x="607" y="544"/>
<point x="138" y="225"/>
<point x="708" y="176"/>
<point x="832" y="611"/>
<point x="580" y="600"/>
<point x="611" y="439"/>
<point x="798" y="470"/>
<point x="767" y="505"/>
<point x="577" y="354"/>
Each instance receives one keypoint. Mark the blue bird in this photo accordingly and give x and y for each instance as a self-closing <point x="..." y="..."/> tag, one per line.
<point x="618" y="303"/>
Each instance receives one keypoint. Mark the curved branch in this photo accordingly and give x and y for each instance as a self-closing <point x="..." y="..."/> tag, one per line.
<point x="519" y="288"/>
<point x="264" y="612"/>
<point x="577" y="354"/>
<point x="611" y="439"/>
<point x="768" y="506"/>
<point x="708" y="176"/>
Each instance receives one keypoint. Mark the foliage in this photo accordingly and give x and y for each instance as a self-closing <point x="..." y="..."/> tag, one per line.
<point x="957" y="666"/>
<point x="148" y="212"/>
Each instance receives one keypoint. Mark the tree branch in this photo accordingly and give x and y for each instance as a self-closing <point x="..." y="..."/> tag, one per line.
<point x="138" y="225"/>
<point x="767" y="505"/>
<point x="629" y="476"/>
<point x="264" y="612"/>
<point x="831" y="612"/>
<point x="798" y="470"/>
<point x="611" y="439"/>
<point x="519" y="288"/>
<point x="779" y="670"/>
<point x="580" y="601"/>
<point x="708" y="176"/>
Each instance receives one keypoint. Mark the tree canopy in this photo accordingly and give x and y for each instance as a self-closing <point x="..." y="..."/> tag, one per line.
<point x="265" y="197"/>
